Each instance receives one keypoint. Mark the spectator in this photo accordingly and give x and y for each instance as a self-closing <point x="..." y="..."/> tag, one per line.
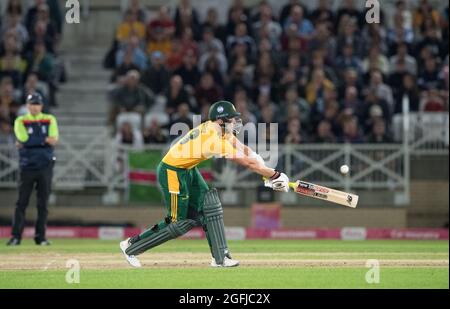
<point x="12" y="24"/>
<point x="291" y="97"/>
<point x="42" y="63"/>
<point x="153" y="134"/>
<point x="297" y="17"/>
<point x="323" y="40"/>
<point x="188" y="44"/>
<point x="210" y="42"/>
<point x="6" y="134"/>
<point x="241" y="105"/>
<point x="241" y="39"/>
<point x="351" y="133"/>
<point x="286" y="10"/>
<point x="212" y="22"/>
<point x="176" y="94"/>
<point x="294" y="73"/>
<point x="323" y="14"/>
<point x="380" y="89"/>
<point x="423" y="13"/>
<point x="127" y="135"/>
<point x="163" y="24"/>
<point x="316" y="87"/>
<point x="132" y="48"/>
<point x="43" y="16"/>
<point x="375" y="61"/>
<point x="330" y="114"/>
<point x="373" y="35"/>
<point x="429" y="77"/>
<point x="11" y="63"/>
<point x="411" y="91"/>
<point x="399" y="34"/>
<point x="188" y="71"/>
<point x="31" y="15"/>
<point x="186" y="17"/>
<point x="207" y="91"/>
<point x="348" y="35"/>
<point x="349" y="10"/>
<point x="130" y="96"/>
<point x="134" y="7"/>
<point x="324" y="133"/>
<point x="374" y="107"/>
<point x="348" y="60"/>
<point x="160" y="41"/>
<point x="126" y="65"/>
<point x="267" y="24"/>
<point x="156" y="77"/>
<point x="267" y="114"/>
<point x="318" y="63"/>
<point x="8" y="104"/>
<point x="213" y="53"/>
<point x="405" y="13"/>
<point x="295" y="134"/>
<point x="182" y="115"/>
<point x="33" y="85"/>
<point x="351" y="102"/>
<point x="379" y="134"/>
<point x="432" y="101"/>
<point x="402" y="54"/>
<point x="265" y="86"/>
<point x="237" y="14"/>
<point x="212" y="67"/>
<point x="131" y="26"/>
<point x="175" y="56"/>
<point x="39" y="35"/>
<point x="14" y="7"/>
<point x="434" y="43"/>
<point x="350" y="78"/>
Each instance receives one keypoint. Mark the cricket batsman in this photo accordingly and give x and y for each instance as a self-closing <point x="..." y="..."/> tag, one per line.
<point x="188" y="199"/>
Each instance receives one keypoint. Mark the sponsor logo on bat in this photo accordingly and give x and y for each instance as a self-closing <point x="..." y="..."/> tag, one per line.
<point x="349" y="199"/>
<point x="304" y="191"/>
<point x="313" y="187"/>
<point x="320" y="195"/>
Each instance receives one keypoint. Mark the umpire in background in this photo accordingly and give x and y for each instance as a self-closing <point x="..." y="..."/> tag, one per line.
<point x="37" y="134"/>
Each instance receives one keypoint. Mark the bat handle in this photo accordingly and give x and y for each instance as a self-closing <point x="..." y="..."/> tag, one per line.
<point x="293" y="185"/>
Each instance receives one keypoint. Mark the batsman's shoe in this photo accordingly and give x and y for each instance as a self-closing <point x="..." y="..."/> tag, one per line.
<point x="13" y="242"/>
<point x="227" y="262"/>
<point x="42" y="242"/>
<point x="131" y="259"/>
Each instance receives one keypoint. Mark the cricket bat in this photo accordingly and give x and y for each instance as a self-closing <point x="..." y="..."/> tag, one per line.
<point x="324" y="193"/>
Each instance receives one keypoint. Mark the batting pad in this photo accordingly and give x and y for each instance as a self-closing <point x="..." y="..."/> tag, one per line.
<point x="214" y="224"/>
<point x="172" y="231"/>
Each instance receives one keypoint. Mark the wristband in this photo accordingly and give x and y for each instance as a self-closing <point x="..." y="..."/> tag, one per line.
<point x="276" y="175"/>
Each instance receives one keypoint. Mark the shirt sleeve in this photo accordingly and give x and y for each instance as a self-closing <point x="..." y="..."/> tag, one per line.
<point x="20" y="131"/>
<point x="53" y="128"/>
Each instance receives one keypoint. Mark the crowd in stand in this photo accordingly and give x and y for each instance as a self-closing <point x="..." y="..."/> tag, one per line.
<point x="29" y="63"/>
<point x="323" y="75"/>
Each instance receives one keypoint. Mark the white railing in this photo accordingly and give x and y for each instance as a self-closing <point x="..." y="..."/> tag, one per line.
<point x="428" y="132"/>
<point x="87" y="157"/>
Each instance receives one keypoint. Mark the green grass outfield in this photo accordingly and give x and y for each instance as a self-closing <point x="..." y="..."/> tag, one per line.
<point x="264" y="264"/>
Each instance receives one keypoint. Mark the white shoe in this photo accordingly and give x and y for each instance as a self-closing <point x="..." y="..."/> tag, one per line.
<point x="132" y="260"/>
<point x="227" y="262"/>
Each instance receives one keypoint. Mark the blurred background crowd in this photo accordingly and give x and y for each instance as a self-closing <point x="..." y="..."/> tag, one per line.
<point x="323" y="75"/>
<point x="321" y="72"/>
<point x="29" y="61"/>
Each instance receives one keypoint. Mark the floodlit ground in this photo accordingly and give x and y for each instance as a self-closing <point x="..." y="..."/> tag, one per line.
<point x="264" y="264"/>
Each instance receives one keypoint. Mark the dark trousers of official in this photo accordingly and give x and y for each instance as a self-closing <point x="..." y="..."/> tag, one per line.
<point x="30" y="179"/>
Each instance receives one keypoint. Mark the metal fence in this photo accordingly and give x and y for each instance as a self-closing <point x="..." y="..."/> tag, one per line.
<point x="87" y="157"/>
